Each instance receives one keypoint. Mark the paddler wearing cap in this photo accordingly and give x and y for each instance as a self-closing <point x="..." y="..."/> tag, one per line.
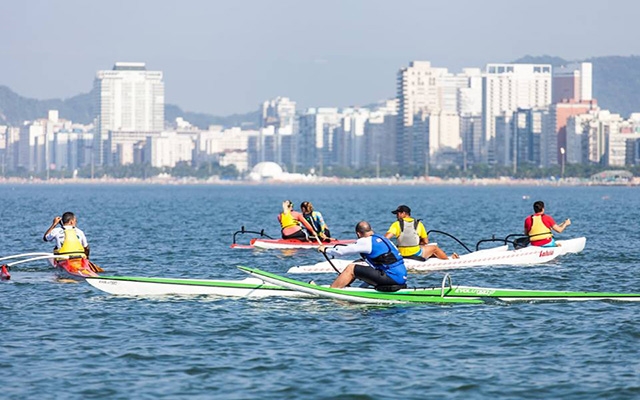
<point x="411" y="236"/>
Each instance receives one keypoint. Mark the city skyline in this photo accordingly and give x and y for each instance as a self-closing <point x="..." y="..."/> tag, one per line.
<point x="262" y="51"/>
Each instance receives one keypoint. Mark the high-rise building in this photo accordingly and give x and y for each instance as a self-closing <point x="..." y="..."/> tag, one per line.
<point x="508" y="87"/>
<point x="316" y="138"/>
<point x="573" y="82"/>
<point x="128" y="99"/>
<point x="279" y="143"/>
<point x="280" y="113"/>
<point x="556" y="135"/>
<point x="418" y="94"/>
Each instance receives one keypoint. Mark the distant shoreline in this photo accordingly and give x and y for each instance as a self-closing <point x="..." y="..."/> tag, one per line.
<point x="421" y="181"/>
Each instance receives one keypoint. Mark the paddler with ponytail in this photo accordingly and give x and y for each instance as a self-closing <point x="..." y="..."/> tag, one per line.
<point x="69" y="239"/>
<point x="290" y="221"/>
<point x="539" y="227"/>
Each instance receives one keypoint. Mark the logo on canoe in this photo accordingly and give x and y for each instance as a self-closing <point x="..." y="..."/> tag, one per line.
<point x="546" y="253"/>
<point x="476" y="291"/>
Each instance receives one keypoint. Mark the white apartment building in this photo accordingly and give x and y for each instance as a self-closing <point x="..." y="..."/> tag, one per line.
<point x="316" y="138"/>
<point x="226" y="146"/>
<point x="433" y="100"/>
<point x="349" y="140"/>
<point x="279" y="113"/>
<point x="419" y="93"/>
<point x="278" y="144"/>
<point x="507" y="87"/>
<point x="128" y="99"/>
<point x="168" y="149"/>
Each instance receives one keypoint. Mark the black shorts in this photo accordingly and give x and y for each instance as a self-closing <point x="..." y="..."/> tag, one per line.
<point x="372" y="276"/>
<point x="299" y="235"/>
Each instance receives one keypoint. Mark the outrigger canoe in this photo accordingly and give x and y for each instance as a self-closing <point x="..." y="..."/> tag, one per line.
<point x="269" y="244"/>
<point x="264" y="284"/>
<point x="266" y="242"/>
<point x="500" y="255"/>
<point x="447" y="293"/>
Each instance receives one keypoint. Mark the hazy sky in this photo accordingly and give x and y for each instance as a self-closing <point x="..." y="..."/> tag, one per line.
<point x="223" y="57"/>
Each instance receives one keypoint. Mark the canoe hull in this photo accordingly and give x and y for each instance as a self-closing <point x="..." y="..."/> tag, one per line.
<point x="447" y="293"/>
<point x="74" y="268"/>
<point x="140" y="286"/>
<point x="489" y="257"/>
<point x="283" y="244"/>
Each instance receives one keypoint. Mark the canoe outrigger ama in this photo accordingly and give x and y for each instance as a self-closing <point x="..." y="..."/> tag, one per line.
<point x="270" y="243"/>
<point x="66" y="266"/>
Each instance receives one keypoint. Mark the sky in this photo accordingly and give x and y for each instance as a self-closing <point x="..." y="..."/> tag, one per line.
<point x="225" y="57"/>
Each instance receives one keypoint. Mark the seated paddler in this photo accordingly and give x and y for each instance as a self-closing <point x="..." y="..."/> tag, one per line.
<point x="292" y="223"/>
<point x="385" y="270"/>
<point x="69" y="239"/>
<point x="411" y="237"/>
<point x="539" y="227"/>
<point x="316" y="220"/>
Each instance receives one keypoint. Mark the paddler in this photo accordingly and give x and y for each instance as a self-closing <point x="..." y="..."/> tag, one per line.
<point x="315" y="219"/>
<point x="386" y="267"/>
<point x="539" y="227"/>
<point x="69" y="239"/>
<point x="290" y="222"/>
<point x="412" y="239"/>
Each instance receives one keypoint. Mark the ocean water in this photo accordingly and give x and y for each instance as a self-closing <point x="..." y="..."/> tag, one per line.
<point x="69" y="341"/>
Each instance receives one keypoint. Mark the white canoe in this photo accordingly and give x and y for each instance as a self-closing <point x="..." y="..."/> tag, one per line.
<point x="141" y="286"/>
<point x="488" y="257"/>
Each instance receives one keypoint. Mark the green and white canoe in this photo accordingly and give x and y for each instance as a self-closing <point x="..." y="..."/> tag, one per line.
<point x="447" y="293"/>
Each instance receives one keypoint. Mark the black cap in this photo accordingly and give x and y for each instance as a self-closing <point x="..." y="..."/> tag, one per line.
<point x="403" y="209"/>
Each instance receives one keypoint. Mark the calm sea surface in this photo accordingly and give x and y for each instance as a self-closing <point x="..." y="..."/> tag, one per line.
<point x="70" y="341"/>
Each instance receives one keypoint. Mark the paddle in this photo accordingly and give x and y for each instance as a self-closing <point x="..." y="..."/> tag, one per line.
<point x="95" y="267"/>
<point x="329" y="260"/>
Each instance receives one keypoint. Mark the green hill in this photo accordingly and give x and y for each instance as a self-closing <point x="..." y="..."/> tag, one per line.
<point x="616" y="80"/>
<point x="616" y="84"/>
<point x="14" y="109"/>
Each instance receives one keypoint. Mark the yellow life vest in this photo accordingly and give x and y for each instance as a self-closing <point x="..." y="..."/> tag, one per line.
<point x="539" y="231"/>
<point x="287" y="220"/>
<point x="71" y="245"/>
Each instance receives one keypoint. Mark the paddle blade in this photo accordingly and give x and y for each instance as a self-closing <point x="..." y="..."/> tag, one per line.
<point x="4" y="273"/>
<point x="95" y="267"/>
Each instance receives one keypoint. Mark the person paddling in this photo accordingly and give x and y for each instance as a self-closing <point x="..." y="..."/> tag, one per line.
<point x="69" y="239"/>
<point x="290" y="221"/>
<point x="539" y="227"/>
<point x="315" y="219"/>
<point x="412" y="239"/>
<point x="386" y="267"/>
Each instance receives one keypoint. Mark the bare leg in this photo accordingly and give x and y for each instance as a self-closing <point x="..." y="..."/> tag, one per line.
<point x="429" y="251"/>
<point x="345" y="278"/>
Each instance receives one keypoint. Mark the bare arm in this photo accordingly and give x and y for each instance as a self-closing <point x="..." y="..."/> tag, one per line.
<point x="55" y="222"/>
<point x="306" y="224"/>
<point x="560" y="228"/>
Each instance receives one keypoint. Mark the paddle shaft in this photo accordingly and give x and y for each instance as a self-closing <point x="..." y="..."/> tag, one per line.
<point x="330" y="263"/>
